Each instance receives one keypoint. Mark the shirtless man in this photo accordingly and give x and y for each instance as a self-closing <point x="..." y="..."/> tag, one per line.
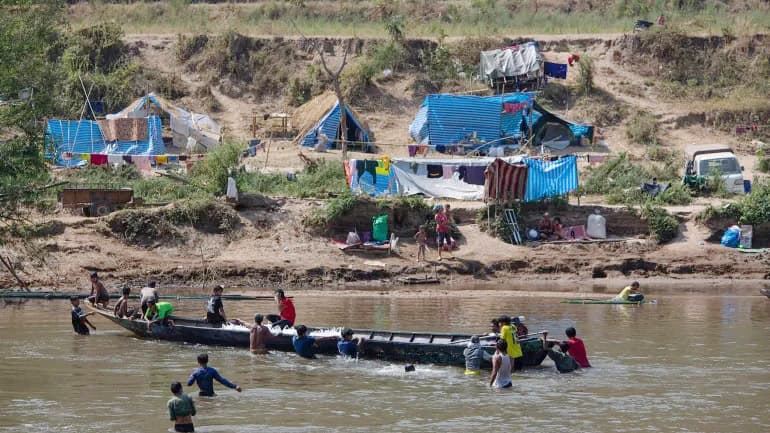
<point x="258" y="334"/>
<point x="121" y="308"/>
<point x="99" y="294"/>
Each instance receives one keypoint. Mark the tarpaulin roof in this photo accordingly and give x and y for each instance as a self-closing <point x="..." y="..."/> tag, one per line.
<point x="447" y="119"/>
<point x="511" y="61"/>
<point x="85" y="136"/>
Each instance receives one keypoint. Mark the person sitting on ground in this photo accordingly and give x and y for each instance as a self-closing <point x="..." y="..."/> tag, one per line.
<point x="577" y="349"/>
<point x="545" y="226"/>
<point x="258" y="334"/>
<point x="442" y="231"/>
<point x="181" y="409"/>
<point x="286" y="312"/>
<point x="79" y="318"/>
<point x="347" y="346"/>
<point x="121" y="307"/>
<point x="204" y="376"/>
<point x="630" y="293"/>
<point x="521" y="328"/>
<point x="422" y="243"/>
<point x="148" y="292"/>
<point x="501" y="367"/>
<point x="215" y="309"/>
<point x="474" y="355"/>
<point x="158" y="312"/>
<point x="557" y="229"/>
<point x="512" y="342"/>
<point x="562" y="359"/>
<point x="99" y="294"/>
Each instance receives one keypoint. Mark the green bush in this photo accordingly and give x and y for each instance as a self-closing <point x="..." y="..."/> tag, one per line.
<point x="642" y="128"/>
<point x="763" y="161"/>
<point x="663" y="227"/>
<point x="752" y="209"/>
<point x="333" y="210"/>
<point x="326" y="179"/>
<point x="211" y="173"/>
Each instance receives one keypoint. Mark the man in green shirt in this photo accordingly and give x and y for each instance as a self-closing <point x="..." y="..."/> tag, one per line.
<point x="158" y="312"/>
<point x="181" y="409"/>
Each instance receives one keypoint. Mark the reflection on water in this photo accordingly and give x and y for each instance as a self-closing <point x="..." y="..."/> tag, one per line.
<point x="689" y="365"/>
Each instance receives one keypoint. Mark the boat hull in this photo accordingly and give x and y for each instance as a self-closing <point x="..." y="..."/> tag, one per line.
<point x="406" y="347"/>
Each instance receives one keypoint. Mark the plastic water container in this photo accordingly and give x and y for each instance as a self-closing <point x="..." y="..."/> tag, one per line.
<point x="380" y="228"/>
<point x="596" y="226"/>
<point x="747" y="232"/>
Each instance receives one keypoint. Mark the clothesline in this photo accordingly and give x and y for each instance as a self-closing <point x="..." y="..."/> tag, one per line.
<point x="139" y="160"/>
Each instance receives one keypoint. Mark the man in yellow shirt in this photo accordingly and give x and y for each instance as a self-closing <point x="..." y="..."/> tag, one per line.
<point x="508" y="333"/>
<point x="630" y="293"/>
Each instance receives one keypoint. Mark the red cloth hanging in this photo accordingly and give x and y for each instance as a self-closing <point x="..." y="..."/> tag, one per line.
<point x="98" y="159"/>
<point x="504" y="181"/>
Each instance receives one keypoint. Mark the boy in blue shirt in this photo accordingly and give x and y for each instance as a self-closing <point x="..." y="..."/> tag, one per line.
<point x="205" y="375"/>
<point x="347" y="346"/>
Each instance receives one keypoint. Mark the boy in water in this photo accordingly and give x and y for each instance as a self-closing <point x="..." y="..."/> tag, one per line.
<point x="347" y="346"/>
<point x="79" y="318"/>
<point x="181" y="409"/>
<point x="422" y="243"/>
<point x="204" y="376"/>
<point x="258" y="334"/>
<point x="577" y="348"/>
<point x="474" y="355"/>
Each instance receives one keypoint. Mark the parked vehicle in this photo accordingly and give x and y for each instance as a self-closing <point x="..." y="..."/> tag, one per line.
<point x="705" y="160"/>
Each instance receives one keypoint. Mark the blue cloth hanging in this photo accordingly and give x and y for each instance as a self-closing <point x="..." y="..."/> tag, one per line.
<point x="556" y="70"/>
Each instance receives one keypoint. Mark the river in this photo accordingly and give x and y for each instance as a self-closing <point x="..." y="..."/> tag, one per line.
<point x="697" y="364"/>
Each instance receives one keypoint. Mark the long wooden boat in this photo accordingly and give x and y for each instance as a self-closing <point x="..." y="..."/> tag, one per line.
<point x="407" y="347"/>
<point x="606" y="301"/>
<point x="65" y="295"/>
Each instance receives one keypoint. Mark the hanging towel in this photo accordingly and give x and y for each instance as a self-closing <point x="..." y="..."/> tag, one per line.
<point x="514" y="108"/>
<point x="142" y="163"/>
<point x="84" y="156"/>
<point x="161" y="159"/>
<point x="173" y="159"/>
<point x="183" y="157"/>
<point x="440" y="148"/>
<point x="115" y="159"/>
<point x="474" y="175"/>
<point x="448" y="171"/>
<point x="505" y="181"/>
<point x="556" y="70"/>
<point x="435" y="171"/>
<point x="412" y="150"/>
<point x="422" y="150"/>
<point x="98" y="159"/>
<point x="66" y="156"/>
<point x="127" y="159"/>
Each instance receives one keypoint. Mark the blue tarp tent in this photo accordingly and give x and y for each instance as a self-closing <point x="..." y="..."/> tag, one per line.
<point x="551" y="178"/>
<point x="329" y="123"/>
<point x="85" y="136"/>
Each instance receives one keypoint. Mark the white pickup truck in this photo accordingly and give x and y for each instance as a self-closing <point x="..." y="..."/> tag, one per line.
<point x="703" y="160"/>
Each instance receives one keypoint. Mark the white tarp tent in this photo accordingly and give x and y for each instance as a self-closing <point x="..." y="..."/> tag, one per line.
<point x="412" y="177"/>
<point x="513" y="61"/>
<point x="189" y="129"/>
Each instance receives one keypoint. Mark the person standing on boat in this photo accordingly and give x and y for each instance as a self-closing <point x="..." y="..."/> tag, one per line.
<point x="286" y="313"/>
<point x="630" y="293"/>
<point x="215" y="309"/>
<point x="158" y="312"/>
<point x="79" y="318"/>
<point x="501" y="367"/>
<point x="204" y="376"/>
<point x="121" y="307"/>
<point x="474" y="355"/>
<point x="258" y="334"/>
<point x="347" y="346"/>
<point x="576" y="348"/>
<point x="99" y="294"/>
<point x="181" y="409"/>
<point x="147" y="293"/>
<point x="509" y="335"/>
<point x="562" y="359"/>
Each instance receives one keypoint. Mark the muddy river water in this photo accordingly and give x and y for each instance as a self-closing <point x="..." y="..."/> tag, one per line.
<point x="697" y="364"/>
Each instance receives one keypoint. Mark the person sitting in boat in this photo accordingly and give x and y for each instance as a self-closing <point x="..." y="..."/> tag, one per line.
<point x="509" y="335"/>
<point x="204" y="376"/>
<point x="630" y="294"/>
<point x="215" y="309"/>
<point x="99" y="294"/>
<point x="158" y="312"/>
<point x="502" y="366"/>
<point x="347" y="346"/>
<point x="121" y="308"/>
<point x="561" y="358"/>
<point x="79" y="318"/>
<point x="258" y="334"/>
<point x="474" y="355"/>
<point x="521" y="328"/>
<point x="181" y="409"/>
<point x="148" y="292"/>
<point x="286" y="313"/>
<point x="545" y="226"/>
<point x="576" y="348"/>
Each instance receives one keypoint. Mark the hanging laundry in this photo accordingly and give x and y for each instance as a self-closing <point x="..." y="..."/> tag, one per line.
<point x="98" y="159"/>
<point x="514" y="108"/>
<point x="435" y="171"/>
<point x="115" y="159"/>
<point x="448" y="171"/>
<point x="422" y="150"/>
<point x="173" y="159"/>
<point x="84" y="157"/>
<point x="596" y="159"/>
<point x="474" y="175"/>
<point x="127" y="159"/>
<point x="66" y="156"/>
<point x="346" y="166"/>
<point x="555" y="70"/>
<point x="161" y="159"/>
<point x="440" y="148"/>
<point x="412" y="150"/>
<point x="142" y="163"/>
<point x="504" y="181"/>
<point x="183" y="157"/>
<point x="367" y="166"/>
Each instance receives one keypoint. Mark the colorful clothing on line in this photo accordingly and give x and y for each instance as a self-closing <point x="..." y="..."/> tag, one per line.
<point x="161" y="159"/>
<point x="412" y="150"/>
<point x="435" y="171"/>
<point x="98" y="159"/>
<point x="448" y="171"/>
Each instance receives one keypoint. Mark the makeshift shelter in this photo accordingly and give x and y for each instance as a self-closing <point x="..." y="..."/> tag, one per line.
<point x="189" y="130"/>
<point x="463" y="123"/>
<point x="551" y="178"/>
<point x="139" y="136"/>
<point x="321" y="116"/>
<point x="517" y="67"/>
